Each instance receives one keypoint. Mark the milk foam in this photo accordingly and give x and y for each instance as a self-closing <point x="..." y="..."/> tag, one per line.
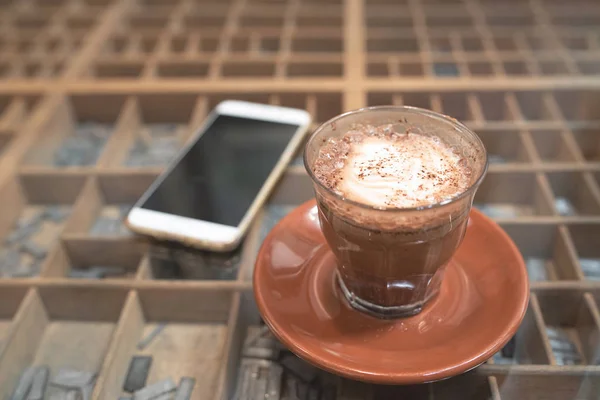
<point x="400" y="171"/>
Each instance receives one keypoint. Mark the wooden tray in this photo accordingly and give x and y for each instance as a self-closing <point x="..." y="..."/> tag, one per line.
<point x="525" y="76"/>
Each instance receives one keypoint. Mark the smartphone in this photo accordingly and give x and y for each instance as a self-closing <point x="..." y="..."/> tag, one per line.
<point x="209" y="194"/>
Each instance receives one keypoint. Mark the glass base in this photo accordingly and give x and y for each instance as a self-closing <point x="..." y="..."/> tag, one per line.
<point x="382" y="312"/>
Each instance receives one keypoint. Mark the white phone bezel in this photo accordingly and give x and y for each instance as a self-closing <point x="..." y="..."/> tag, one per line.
<point x="210" y="235"/>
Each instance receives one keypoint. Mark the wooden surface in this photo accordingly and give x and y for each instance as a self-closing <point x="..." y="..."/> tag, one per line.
<point x="525" y="76"/>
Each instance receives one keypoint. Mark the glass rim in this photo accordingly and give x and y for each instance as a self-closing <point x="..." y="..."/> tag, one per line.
<point x="416" y="110"/>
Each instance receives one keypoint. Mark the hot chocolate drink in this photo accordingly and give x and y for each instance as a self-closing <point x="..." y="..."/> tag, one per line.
<point x="392" y="208"/>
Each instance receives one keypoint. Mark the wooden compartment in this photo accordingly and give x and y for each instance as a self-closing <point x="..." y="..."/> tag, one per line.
<point x="118" y="69"/>
<point x="534" y="106"/>
<point x="512" y="195"/>
<point x="31" y="21"/>
<point x="182" y="69"/>
<point x="80" y="23"/>
<point x="553" y="67"/>
<point x="38" y="208"/>
<point x="200" y="325"/>
<point x="314" y="69"/>
<point x="208" y="44"/>
<point x="6" y="70"/>
<point x="256" y="69"/>
<point x="118" y="44"/>
<point x="440" y="45"/>
<point x="535" y="42"/>
<point x="148" y="43"/>
<point x="504" y="146"/>
<point x="552" y="146"/>
<point x="378" y="18"/>
<point x="10" y="301"/>
<point x="504" y="42"/>
<point x="571" y="326"/>
<point x="445" y="69"/>
<point x="121" y="46"/>
<point x="155" y="19"/>
<point x="404" y="45"/>
<point x="512" y="68"/>
<point x="573" y="194"/>
<point x="14" y="111"/>
<point x="316" y="20"/>
<point x="472" y="44"/>
<point x="580" y="105"/>
<point x="179" y="44"/>
<point x="588" y="142"/>
<point x="547" y="250"/>
<point x="588" y="67"/>
<point x="378" y="69"/>
<point x="459" y="105"/>
<point x="571" y="20"/>
<point x="271" y="21"/>
<point x="528" y="346"/>
<point x="203" y="22"/>
<point x="532" y="385"/>
<point x="154" y="128"/>
<point x="517" y="15"/>
<point x="585" y="238"/>
<point x="80" y="258"/>
<point x="76" y="132"/>
<point x="448" y="21"/>
<point x="308" y="44"/>
<point x="495" y="106"/>
<point x="104" y="203"/>
<point x="62" y="327"/>
<point x="575" y="42"/>
<point x="239" y="44"/>
<point x="411" y="69"/>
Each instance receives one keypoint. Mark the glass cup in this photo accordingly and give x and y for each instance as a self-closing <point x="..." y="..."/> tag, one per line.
<point x="391" y="261"/>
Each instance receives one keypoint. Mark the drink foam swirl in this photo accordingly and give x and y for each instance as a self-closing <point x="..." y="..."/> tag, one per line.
<point x="380" y="167"/>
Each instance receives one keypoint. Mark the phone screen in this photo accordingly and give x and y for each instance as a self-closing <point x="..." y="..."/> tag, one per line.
<point x="220" y="175"/>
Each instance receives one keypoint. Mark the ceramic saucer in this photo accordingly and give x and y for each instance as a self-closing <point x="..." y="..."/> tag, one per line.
<point x="481" y="303"/>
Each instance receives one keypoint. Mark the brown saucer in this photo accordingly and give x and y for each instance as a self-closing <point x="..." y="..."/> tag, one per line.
<point x="482" y="301"/>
